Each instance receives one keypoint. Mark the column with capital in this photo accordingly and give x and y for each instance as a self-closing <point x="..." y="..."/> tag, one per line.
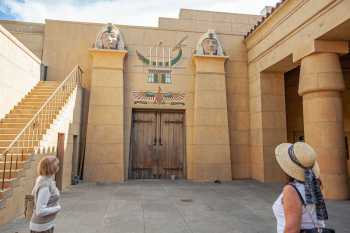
<point x="321" y="85"/>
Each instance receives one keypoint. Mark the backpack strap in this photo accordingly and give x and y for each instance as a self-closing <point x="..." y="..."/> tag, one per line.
<point x="299" y="194"/>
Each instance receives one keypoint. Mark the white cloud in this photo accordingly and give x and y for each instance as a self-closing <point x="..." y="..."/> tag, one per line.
<point x="130" y="12"/>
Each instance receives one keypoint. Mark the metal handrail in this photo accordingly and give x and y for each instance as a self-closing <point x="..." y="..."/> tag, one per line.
<point x="38" y="112"/>
<point x="37" y="124"/>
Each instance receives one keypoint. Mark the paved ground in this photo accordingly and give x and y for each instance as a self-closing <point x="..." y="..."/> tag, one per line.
<point x="173" y="207"/>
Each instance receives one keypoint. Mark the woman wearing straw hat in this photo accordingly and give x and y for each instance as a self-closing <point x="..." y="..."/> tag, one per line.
<point x="300" y="207"/>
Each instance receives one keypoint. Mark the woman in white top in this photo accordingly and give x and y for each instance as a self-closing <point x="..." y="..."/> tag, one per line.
<point x="300" y="207"/>
<point x="46" y="196"/>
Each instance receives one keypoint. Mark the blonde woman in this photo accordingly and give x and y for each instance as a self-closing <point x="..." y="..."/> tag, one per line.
<point x="46" y="196"/>
<point x="300" y="208"/>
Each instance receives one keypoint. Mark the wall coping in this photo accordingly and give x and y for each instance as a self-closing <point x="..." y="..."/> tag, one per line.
<point x="19" y="44"/>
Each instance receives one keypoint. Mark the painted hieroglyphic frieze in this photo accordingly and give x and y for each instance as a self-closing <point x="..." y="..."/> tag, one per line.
<point x="110" y="38"/>
<point x="150" y="97"/>
<point x="160" y="61"/>
<point x="209" y="44"/>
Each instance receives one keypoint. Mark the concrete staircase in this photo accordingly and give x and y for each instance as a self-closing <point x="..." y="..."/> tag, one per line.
<point x="12" y="124"/>
<point x="23" y="139"/>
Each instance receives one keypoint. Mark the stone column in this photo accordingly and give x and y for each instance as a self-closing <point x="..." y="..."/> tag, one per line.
<point x="210" y="149"/>
<point x="321" y="83"/>
<point x="104" y="157"/>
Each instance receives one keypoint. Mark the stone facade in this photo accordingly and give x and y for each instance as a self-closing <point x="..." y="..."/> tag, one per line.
<point x="30" y="34"/>
<point x="285" y="81"/>
<point x="18" y="76"/>
<point x="298" y="34"/>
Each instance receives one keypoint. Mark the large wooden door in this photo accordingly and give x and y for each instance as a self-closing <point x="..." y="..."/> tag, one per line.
<point x="157" y="145"/>
<point x="171" y="144"/>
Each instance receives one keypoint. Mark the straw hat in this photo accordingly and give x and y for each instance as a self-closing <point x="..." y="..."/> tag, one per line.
<point x="304" y="157"/>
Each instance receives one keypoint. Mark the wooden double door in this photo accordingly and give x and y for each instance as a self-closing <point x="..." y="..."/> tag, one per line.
<point x="157" y="145"/>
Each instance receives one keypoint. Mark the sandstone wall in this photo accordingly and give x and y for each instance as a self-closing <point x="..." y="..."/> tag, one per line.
<point x="30" y="34"/>
<point x="19" y="72"/>
<point x="67" y="44"/>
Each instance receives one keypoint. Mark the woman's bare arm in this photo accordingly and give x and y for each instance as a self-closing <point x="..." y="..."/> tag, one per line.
<point x="292" y="210"/>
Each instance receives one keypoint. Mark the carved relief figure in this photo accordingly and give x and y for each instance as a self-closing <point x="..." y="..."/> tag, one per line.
<point x="209" y="44"/>
<point x="110" y="38"/>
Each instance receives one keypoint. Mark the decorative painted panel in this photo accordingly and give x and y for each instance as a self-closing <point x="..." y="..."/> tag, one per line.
<point x="150" y="97"/>
<point x="160" y="61"/>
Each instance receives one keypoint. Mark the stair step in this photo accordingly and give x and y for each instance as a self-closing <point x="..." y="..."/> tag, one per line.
<point x="12" y="125"/>
<point x="7" y="136"/>
<point x="4" y="143"/>
<point x="41" y="92"/>
<point x="48" y="89"/>
<point x="41" y="99"/>
<point x="18" y="115"/>
<point x="20" y="164"/>
<point x="15" y="120"/>
<point x="18" y="130"/>
<point x="9" y="173"/>
<point x="49" y="81"/>
<point x="29" y="111"/>
<point x="20" y="156"/>
<point x="12" y="136"/>
<point x="33" y="101"/>
<point x="25" y="105"/>
<point x="21" y="116"/>
<point x="37" y="95"/>
<point x="22" y="149"/>
<point x="53" y="83"/>
<point x="28" y="106"/>
<point x="47" y="85"/>
<point x="41" y="85"/>
<point x="9" y="130"/>
<point x="24" y="110"/>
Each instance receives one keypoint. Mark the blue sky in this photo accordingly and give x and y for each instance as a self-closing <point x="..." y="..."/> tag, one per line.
<point x="130" y="12"/>
<point x="5" y="12"/>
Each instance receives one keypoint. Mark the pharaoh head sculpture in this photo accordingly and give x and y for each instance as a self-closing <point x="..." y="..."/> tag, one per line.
<point x="209" y="44"/>
<point x="110" y="38"/>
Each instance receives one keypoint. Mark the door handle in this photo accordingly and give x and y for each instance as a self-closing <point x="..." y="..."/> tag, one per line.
<point x="160" y="142"/>
<point x="154" y="141"/>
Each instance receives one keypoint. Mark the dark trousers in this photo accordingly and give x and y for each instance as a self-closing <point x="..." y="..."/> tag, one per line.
<point x="47" y="231"/>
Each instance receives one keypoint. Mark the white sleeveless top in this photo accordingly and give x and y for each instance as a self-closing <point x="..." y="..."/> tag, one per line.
<point x="308" y="214"/>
